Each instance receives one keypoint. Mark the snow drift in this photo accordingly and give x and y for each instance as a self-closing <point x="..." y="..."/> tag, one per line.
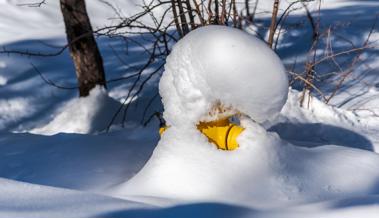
<point x="264" y="172"/>
<point x="83" y="115"/>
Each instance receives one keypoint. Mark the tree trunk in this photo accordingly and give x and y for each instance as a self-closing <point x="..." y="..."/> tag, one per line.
<point x="83" y="48"/>
<point x="183" y="19"/>
<point x="273" y="23"/>
<point x="176" y="18"/>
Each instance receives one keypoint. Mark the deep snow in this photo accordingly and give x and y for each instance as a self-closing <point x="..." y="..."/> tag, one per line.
<point x="271" y="172"/>
<point x="329" y="153"/>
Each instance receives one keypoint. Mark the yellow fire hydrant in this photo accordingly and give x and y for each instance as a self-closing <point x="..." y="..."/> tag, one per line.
<point x="220" y="132"/>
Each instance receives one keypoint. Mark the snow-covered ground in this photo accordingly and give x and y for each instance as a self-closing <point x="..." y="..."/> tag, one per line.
<point x="56" y="160"/>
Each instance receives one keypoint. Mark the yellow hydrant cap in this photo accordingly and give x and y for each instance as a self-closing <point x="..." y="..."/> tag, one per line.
<point x="220" y="132"/>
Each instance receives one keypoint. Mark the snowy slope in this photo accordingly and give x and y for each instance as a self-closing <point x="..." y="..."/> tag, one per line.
<point x="20" y="199"/>
<point x="46" y="22"/>
<point x="317" y="162"/>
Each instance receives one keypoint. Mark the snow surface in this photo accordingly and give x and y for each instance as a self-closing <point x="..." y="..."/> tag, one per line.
<point x="45" y="22"/>
<point x="19" y="199"/>
<point x="321" y="161"/>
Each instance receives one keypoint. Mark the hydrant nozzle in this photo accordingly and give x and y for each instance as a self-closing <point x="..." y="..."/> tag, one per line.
<point x="220" y="132"/>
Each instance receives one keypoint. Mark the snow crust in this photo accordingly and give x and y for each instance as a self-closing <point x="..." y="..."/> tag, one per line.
<point x="221" y="64"/>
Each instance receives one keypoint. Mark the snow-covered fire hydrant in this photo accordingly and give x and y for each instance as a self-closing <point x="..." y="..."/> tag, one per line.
<point x="217" y="72"/>
<point x="214" y="74"/>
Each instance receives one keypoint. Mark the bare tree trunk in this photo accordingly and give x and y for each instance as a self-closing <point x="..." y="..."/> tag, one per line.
<point x="310" y="66"/>
<point x="223" y="17"/>
<point x="247" y="7"/>
<point x="183" y="20"/>
<point x="83" y="48"/>
<point x="176" y="18"/>
<point x="190" y="14"/>
<point x="235" y="13"/>
<point x="217" y="17"/>
<point x="273" y="23"/>
<point x="252" y="16"/>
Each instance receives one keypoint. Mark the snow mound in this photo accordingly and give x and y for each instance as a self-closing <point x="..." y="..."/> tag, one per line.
<point x="83" y="115"/>
<point x="264" y="172"/>
<point x="221" y="64"/>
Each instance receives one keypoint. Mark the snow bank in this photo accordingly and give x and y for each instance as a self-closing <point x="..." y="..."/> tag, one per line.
<point x="319" y="123"/>
<point x="264" y="172"/>
<point x="83" y="115"/>
<point x="314" y="111"/>
<point x="221" y="64"/>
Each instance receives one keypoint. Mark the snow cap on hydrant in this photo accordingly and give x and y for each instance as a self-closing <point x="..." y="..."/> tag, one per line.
<point x="218" y="65"/>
